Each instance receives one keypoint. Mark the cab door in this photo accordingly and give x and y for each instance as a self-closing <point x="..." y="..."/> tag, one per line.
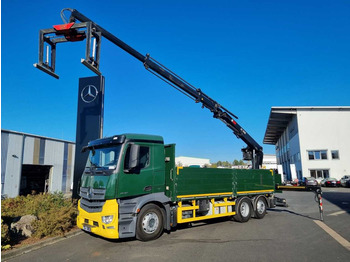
<point x="139" y="180"/>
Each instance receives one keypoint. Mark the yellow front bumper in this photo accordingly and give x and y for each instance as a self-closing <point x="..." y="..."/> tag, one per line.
<point x="92" y="222"/>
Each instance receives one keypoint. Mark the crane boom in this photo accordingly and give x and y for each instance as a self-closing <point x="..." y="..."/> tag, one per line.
<point x="72" y="32"/>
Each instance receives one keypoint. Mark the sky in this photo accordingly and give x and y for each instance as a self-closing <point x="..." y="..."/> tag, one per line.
<point x="247" y="55"/>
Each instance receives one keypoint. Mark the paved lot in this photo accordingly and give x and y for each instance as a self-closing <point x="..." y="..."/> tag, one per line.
<point x="285" y="234"/>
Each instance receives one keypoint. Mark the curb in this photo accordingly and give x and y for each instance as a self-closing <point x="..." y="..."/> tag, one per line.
<point x="26" y="249"/>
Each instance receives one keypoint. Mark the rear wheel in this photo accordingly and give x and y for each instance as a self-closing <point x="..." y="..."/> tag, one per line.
<point x="243" y="210"/>
<point x="260" y="207"/>
<point x="149" y="223"/>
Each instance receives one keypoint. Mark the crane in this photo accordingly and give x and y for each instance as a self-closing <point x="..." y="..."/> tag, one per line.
<point x="78" y="27"/>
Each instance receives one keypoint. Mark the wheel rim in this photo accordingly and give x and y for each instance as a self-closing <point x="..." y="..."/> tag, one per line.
<point x="260" y="206"/>
<point x="245" y="209"/>
<point x="150" y="222"/>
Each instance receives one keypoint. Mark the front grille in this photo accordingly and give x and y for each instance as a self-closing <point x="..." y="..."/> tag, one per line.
<point x="92" y="200"/>
<point x="92" y="193"/>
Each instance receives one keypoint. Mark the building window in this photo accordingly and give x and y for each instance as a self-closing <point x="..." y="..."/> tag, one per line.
<point x="319" y="154"/>
<point x="335" y="154"/>
<point x="319" y="173"/>
<point x="311" y="155"/>
<point x="313" y="173"/>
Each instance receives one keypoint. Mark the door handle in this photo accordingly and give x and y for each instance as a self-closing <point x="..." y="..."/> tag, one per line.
<point x="147" y="188"/>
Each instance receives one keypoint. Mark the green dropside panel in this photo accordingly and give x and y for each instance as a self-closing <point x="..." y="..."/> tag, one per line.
<point x="278" y="181"/>
<point x="254" y="180"/>
<point x="191" y="182"/>
<point x="170" y="171"/>
<point x="195" y="181"/>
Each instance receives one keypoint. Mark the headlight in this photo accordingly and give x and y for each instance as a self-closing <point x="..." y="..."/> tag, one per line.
<point x="107" y="219"/>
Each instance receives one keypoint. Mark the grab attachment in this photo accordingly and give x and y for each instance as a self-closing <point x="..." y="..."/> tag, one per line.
<point x="69" y="32"/>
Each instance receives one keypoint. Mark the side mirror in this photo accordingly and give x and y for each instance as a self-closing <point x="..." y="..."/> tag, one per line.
<point x="84" y="149"/>
<point x="134" y="158"/>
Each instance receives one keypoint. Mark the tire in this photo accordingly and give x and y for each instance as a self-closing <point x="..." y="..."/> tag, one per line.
<point x="243" y="210"/>
<point x="149" y="224"/>
<point x="260" y="207"/>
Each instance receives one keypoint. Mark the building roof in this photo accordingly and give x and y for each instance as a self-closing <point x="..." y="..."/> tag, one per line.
<point x="281" y="116"/>
<point x="36" y="136"/>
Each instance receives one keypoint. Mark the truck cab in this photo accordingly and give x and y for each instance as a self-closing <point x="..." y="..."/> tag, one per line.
<point x="122" y="173"/>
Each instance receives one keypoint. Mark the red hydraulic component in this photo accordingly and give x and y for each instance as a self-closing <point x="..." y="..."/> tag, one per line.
<point x="69" y="33"/>
<point x="63" y="28"/>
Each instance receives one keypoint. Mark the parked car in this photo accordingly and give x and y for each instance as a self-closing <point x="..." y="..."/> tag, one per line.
<point x="343" y="180"/>
<point x="308" y="181"/>
<point x="319" y="179"/>
<point x="347" y="183"/>
<point x="330" y="182"/>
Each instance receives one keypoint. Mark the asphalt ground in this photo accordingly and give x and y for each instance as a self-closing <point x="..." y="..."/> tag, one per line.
<point x="285" y="234"/>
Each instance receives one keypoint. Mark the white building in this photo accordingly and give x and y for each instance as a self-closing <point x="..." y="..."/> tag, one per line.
<point x="269" y="162"/>
<point x="191" y="161"/>
<point x="310" y="141"/>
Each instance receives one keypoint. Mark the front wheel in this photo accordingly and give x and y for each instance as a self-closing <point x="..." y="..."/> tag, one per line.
<point x="149" y="223"/>
<point x="243" y="210"/>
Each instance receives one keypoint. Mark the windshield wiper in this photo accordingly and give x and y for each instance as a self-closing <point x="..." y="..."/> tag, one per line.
<point x="93" y="164"/>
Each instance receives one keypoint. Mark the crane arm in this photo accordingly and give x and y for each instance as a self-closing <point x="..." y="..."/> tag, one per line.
<point x="253" y="151"/>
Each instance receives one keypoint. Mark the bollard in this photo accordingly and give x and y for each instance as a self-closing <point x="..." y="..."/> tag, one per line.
<point x="320" y="204"/>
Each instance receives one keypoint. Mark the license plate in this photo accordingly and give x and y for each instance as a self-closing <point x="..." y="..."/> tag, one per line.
<point x="87" y="228"/>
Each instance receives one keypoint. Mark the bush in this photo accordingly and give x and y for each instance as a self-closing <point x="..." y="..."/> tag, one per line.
<point x="5" y="236"/>
<point x="33" y="204"/>
<point x="55" y="222"/>
<point x="56" y="215"/>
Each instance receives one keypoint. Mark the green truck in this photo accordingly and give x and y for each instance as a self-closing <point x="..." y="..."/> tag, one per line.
<point x="131" y="187"/>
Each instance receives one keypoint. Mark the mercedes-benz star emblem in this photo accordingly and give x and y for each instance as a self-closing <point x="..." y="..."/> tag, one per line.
<point x="89" y="193"/>
<point x="89" y="93"/>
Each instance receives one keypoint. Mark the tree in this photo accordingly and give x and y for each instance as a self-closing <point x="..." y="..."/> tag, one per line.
<point x="226" y="164"/>
<point x="239" y="162"/>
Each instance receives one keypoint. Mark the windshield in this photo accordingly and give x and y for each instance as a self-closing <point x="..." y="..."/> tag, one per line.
<point x="103" y="157"/>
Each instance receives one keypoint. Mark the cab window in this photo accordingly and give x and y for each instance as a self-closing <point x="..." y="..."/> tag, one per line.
<point x="144" y="158"/>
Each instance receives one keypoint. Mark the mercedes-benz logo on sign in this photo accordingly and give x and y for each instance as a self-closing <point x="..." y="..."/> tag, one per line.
<point x="89" y="93"/>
